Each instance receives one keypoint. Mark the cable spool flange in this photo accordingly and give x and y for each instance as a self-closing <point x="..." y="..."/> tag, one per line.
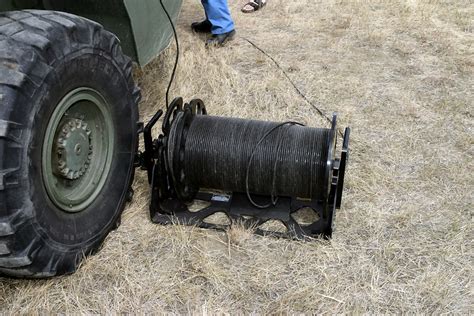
<point x="178" y="127"/>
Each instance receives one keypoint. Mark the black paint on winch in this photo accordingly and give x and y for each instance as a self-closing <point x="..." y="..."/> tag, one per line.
<point x="253" y="171"/>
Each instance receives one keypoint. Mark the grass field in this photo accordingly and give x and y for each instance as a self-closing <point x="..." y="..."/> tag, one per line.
<point x="401" y="74"/>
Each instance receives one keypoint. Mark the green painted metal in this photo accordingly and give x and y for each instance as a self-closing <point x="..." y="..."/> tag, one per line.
<point x="150" y="25"/>
<point x="77" y="150"/>
<point x="141" y="25"/>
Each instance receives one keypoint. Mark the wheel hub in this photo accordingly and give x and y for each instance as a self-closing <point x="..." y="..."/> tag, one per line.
<point x="77" y="150"/>
<point x="74" y="149"/>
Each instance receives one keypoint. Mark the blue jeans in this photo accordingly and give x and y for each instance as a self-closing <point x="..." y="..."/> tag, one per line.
<point x="218" y="13"/>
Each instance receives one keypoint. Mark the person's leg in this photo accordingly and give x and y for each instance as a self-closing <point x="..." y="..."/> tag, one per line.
<point x="218" y="13"/>
<point x="204" y="26"/>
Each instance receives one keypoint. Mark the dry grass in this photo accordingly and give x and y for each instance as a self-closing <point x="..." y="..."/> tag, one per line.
<point x="401" y="74"/>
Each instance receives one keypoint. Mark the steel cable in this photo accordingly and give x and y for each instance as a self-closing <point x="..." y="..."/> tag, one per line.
<point x="175" y="66"/>
<point x="258" y="157"/>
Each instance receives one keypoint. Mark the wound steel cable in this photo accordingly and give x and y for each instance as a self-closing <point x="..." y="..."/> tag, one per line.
<point x="273" y="197"/>
<point x="239" y="155"/>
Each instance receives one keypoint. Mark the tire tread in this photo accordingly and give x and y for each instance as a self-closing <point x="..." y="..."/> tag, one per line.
<point x="30" y="41"/>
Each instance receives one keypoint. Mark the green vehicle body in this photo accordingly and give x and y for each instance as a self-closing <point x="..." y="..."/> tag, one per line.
<point x="141" y="25"/>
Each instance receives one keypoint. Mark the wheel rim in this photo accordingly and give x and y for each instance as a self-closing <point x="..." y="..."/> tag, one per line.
<point x="77" y="150"/>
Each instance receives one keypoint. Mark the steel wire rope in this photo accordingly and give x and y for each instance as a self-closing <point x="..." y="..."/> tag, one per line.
<point x="274" y="200"/>
<point x="173" y="73"/>
<point x="305" y="98"/>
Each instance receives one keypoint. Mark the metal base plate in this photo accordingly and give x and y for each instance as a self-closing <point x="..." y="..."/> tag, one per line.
<point x="240" y="211"/>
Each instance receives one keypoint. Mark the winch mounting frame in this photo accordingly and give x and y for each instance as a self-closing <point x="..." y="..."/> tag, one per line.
<point x="170" y="205"/>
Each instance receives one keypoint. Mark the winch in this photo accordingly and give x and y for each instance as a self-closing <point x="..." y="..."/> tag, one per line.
<point x="252" y="171"/>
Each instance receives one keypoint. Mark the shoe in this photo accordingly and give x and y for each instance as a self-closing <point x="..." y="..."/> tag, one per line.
<point x="253" y="5"/>
<point x="220" y="39"/>
<point x="202" y="27"/>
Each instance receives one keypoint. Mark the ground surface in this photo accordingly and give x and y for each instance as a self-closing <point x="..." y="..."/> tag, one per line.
<point x="401" y="74"/>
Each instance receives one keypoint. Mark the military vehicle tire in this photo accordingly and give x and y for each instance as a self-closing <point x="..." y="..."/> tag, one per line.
<point x="68" y="136"/>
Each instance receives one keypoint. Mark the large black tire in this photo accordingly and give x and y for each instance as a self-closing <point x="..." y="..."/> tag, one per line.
<point x="44" y="55"/>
